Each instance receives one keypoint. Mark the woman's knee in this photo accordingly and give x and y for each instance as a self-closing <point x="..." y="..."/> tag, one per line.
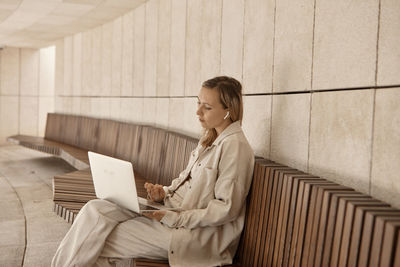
<point x="98" y="206"/>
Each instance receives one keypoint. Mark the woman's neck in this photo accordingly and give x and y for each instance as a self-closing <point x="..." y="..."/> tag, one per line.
<point x="221" y="128"/>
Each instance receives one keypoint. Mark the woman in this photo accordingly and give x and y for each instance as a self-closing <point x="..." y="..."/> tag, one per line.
<point x="210" y="194"/>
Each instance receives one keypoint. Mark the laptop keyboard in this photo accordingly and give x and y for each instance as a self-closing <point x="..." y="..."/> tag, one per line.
<point x="145" y="207"/>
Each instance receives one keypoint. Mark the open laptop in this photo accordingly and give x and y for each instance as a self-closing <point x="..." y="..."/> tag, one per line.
<point x="114" y="180"/>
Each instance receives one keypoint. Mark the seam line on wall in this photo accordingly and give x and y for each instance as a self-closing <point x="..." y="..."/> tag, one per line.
<point x="220" y="36"/>
<point x="158" y="49"/>
<point x="169" y="50"/>
<point x="243" y="40"/>
<point x="311" y="86"/>
<point x="313" y="50"/>
<point x="377" y="43"/>
<point x="374" y="102"/>
<point x="121" y="58"/>
<point x="372" y="142"/>
<point x="19" y="92"/>
<point x="145" y="37"/>
<point x="272" y="84"/>
<point x="185" y="53"/>
<point x="38" y="95"/>
<point x="255" y="94"/>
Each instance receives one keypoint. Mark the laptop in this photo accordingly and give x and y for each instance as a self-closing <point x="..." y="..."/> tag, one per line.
<point x="114" y="181"/>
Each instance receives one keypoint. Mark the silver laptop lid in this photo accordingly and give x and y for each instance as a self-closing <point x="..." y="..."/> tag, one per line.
<point x="114" y="180"/>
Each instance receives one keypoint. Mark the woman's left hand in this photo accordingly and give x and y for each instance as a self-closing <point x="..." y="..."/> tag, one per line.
<point x="157" y="215"/>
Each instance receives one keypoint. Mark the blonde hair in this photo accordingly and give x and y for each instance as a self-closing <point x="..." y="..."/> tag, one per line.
<point x="230" y="96"/>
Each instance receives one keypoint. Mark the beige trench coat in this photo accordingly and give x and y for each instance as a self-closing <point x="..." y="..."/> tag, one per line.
<point x="207" y="231"/>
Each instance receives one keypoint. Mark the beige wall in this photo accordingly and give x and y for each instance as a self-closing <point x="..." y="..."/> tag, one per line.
<point x="300" y="62"/>
<point x="26" y="90"/>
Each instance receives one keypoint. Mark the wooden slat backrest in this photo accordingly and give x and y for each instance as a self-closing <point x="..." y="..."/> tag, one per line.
<point x="88" y="133"/>
<point x="178" y="158"/>
<point x="136" y="146"/>
<point x="246" y="250"/>
<point x="252" y="241"/>
<point x="262" y="208"/>
<point x="53" y="127"/>
<point x="191" y="144"/>
<point x="294" y="182"/>
<point x="177" y="153"/>
<point x="323" y="256"/>
<point x="146" y="144"/>
<point x="284" y="210"/>
<point x="274" y="208"/>
<point x="382" y="227"/>
<point x="396" y="260"/>
<point x="358" y="228"/>
<point x="313" y="225"/>
<point x="349" y="226"/>
<point x="340" y="224"/>
<point x="287" y="213"/>
<point x="106" y="141"/>
<point x="392" y="230"/>
<point x="313" y="222"/>
<point x="126" y="141"/>
<point x="69" y="129"/>
<point x="166" y="173"/>
<point x="303" y="209"/>
<point x="370" y="220"/>
<point x="327" y="223"/>
<point x="142" y="153"/>
<point x="320" y="232"/>
<point x="157" y="155"/>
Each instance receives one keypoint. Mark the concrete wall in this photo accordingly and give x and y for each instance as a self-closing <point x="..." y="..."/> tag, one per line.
<point x="26" y="90"/>
<point x="321" y="78"/>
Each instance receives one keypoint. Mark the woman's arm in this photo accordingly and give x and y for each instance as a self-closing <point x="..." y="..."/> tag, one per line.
<point x="234" y="178"/>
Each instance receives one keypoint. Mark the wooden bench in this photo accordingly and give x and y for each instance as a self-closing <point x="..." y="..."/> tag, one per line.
<point x="292" y="218"/>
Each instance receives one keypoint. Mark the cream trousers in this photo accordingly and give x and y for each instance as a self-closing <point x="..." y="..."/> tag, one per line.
<point x="104" y="232"/>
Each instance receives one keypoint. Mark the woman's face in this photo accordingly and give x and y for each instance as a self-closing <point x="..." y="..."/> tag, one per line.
<point x="210" y="111"/>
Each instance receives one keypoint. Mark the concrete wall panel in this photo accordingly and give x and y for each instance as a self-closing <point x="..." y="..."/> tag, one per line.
<point x="232" y="38"/>
<point x="9" y="115"/>
<point x="340" y="137"/>
<point x="9" y="71"/>
<point x="127" y="55"/>
<point x="389" y="39"/>
<point x="150" y="49"/>
<point x="386" y="154"/>
<point x="138" y="51"/>
<point x="178" y="44"/>
<point x="258" y="46"/>
<point x="290" y="129"/>
<point x="293" y="45"/>
<point x="193" y="48"/>
<point x="29" y="66"/>
<point x="345" y="43"/>
<point x="29" y="115"/>
<point x="210" y="54"/>
<point x="164" y="47"/>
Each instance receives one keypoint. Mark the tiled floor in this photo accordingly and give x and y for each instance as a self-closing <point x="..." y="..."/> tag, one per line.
<point x="29" y="229"/>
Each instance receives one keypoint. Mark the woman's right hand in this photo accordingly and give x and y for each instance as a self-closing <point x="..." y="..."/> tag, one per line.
<point x="155" y="192"/>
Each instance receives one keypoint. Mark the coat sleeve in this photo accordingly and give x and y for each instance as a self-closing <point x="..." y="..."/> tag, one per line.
<point x="235" y="171"/>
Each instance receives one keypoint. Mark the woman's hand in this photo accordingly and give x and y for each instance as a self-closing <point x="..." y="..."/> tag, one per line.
<point x="155" y="192"/>
<point x="157" y="215"/>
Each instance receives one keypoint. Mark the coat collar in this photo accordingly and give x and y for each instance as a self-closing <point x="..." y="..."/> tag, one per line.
<point x="233" y="128"/>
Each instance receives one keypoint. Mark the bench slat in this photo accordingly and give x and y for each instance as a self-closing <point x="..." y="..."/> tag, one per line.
<point x="314" y="222"/>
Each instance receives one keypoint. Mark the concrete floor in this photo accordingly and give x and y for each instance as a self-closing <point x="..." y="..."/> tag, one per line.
<point x="29" y="229"/>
